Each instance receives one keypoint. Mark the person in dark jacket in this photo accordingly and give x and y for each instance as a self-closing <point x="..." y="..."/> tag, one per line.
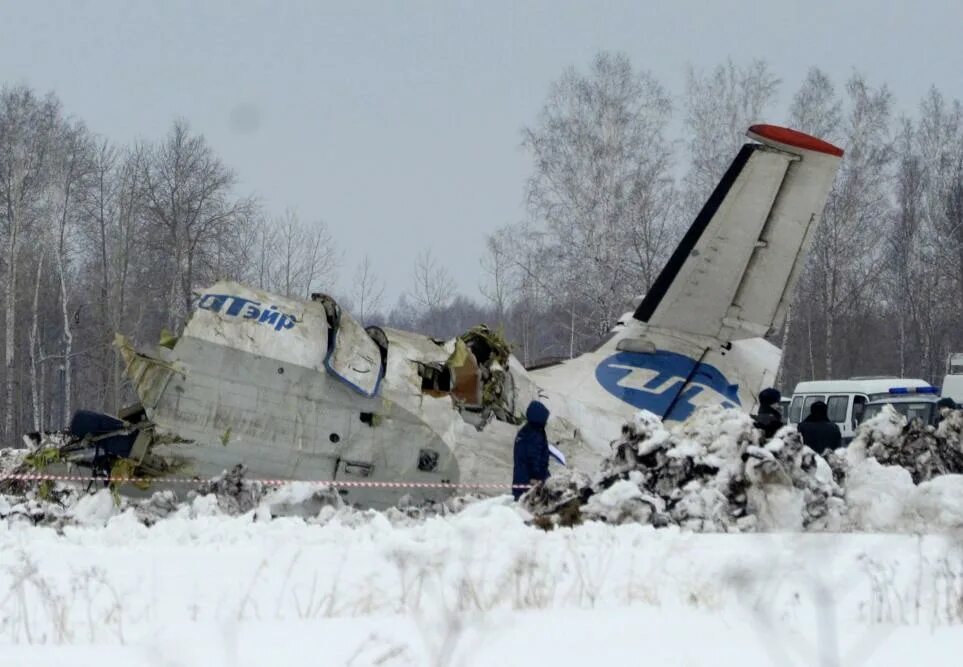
<point x="769" y="418"/>
<point x="818" y="432"/>
<point x="531" y="449"/>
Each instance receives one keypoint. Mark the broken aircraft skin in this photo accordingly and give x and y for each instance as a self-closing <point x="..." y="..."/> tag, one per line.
<point x="299" y="390"/>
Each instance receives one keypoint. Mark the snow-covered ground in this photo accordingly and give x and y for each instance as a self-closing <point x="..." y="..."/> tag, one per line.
<point x="479" y="587"/>
<point x="802" y="562"/>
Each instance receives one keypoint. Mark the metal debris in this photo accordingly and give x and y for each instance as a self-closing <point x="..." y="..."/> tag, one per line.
<point x="711" y="473"/>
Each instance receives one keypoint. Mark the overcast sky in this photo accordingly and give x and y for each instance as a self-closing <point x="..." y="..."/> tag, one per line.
<point x="399" y="122"/>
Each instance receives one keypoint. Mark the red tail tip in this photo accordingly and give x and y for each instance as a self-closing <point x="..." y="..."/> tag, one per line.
<point x="784" y="135"/>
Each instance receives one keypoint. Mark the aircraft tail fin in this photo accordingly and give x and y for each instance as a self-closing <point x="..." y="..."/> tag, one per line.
<point x="725" y="288"/>
<point x="733" y="275"/>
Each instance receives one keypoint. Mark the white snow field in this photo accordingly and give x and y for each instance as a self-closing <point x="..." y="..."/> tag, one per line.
<point x="478" y="587"/>
<point x="865" y="572"/>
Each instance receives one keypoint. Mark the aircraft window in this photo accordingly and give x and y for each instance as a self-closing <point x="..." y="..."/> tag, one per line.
<point x="808" y="404"/>
<point x="795" y="409"/>
<point x="427" y="460"/>
<point x="837" y="408"/>
<point x="356" y="468"/>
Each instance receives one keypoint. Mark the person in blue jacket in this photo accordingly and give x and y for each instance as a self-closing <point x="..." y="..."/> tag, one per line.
<point x="531" y="448"/>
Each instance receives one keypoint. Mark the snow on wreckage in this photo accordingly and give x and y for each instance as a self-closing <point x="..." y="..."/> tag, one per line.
<point x="715" y="473"/>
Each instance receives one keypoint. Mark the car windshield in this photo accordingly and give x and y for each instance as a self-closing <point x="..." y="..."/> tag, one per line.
<point x="911" y="410"/>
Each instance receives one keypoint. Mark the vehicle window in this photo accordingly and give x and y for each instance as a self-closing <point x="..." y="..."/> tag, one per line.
<point x="923" y="411"/>
<point x="795" y="409"/>
<point x="859" y="405"/>
<point x="808" y="404"/>
<point x="870" y="411"/>
<point x="956" y="365"/>
<point x="837" y="408"/>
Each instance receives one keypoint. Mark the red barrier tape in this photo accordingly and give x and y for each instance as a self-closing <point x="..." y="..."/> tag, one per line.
<point x="266" y="482"/>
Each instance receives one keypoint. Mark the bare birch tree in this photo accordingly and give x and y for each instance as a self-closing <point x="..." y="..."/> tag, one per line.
<point x="36" y="350"/>
<point x="296" y="258"/>
<point x="188" y="196"/>
<point x="815" y="109"/>
<point x="113" y="240"/>
<point x="601" y="189"/>
<point x="367" y="290"/>
<point x="498" y="264"/>
<point x="321" y="259"/>
<point x="845" y="255"/>
<point x="720" y="105"/>
<point x="941" y="149"/>
<point x="26" y="128"/>
<point x="432" y="287"/>
<point x="71" y="164"/>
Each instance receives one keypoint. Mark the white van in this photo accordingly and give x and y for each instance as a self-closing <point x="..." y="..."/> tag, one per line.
<point x="953" y="382"/>
<point x="846" y="399"/>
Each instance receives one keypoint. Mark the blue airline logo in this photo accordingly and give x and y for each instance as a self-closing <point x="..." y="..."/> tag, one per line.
<point x="663" y="376"/>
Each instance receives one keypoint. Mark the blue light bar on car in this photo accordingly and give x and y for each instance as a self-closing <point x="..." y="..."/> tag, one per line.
<point x="914" y="390"/>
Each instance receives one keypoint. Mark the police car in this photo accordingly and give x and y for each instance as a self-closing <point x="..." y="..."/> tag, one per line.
<point x="913" y="403"/>
<point x="848" y="399"/>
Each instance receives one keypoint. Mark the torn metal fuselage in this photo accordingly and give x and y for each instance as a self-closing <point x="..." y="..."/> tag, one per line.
<point x="105" y="446"/>
<point x="299" y="390"/>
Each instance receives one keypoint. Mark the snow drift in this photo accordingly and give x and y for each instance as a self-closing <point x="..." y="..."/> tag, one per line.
<point x="714" y="473"/>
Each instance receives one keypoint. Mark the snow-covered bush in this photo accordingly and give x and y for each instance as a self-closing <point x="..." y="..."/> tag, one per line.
<point x="715" y="473"/>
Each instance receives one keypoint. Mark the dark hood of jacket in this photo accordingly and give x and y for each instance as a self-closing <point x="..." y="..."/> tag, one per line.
<point x="820" y="435"/>
<point x="769" y="396"/>
<point x="537" y="414"/>
<point x="818" y="412"/>
<point x="946" y="402"/>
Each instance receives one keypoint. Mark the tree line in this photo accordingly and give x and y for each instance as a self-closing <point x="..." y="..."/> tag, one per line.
<point x="99" y="238"/>
<point x="614" y="186"/>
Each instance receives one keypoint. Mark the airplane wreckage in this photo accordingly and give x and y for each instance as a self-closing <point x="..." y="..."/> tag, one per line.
<point x="300" y="390"/>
